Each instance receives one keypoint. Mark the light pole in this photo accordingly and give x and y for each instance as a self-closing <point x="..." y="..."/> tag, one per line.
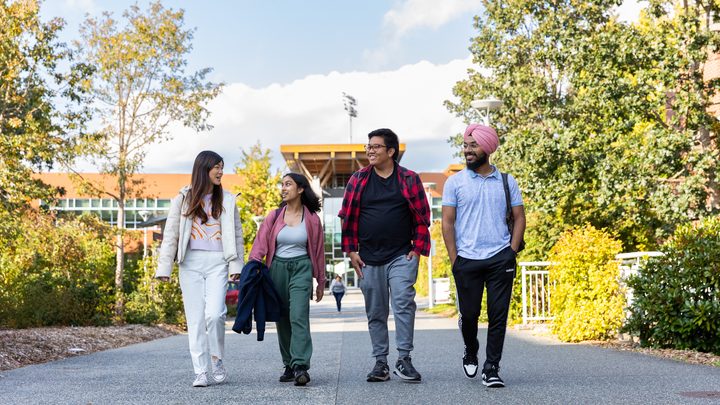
<point x="486" y="105"/>
<point x="350" y="103"/>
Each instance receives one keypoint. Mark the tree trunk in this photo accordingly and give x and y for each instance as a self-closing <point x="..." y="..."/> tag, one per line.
<point x="120" y="266"/>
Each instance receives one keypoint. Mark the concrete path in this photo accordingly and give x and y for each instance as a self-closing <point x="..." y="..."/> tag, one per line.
<point x="536" y="369"/>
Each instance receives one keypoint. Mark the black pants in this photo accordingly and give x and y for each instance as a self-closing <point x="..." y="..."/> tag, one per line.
<point x="497" y="274"/>
<point x="338" y="298"/>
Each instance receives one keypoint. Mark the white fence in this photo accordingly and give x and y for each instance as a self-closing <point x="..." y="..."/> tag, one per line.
<point x="537" y="290"/>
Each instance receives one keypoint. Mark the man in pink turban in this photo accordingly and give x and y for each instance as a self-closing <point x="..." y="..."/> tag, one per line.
<point x="486" y="139"/>
<point x="482" y="241"/>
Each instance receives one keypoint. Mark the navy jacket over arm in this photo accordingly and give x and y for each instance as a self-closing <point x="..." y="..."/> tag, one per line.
<point x="257" y="295"/>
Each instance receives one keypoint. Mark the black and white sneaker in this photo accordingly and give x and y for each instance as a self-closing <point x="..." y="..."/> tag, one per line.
<point x="405" y="370"/>
<point x="491" y="379"/>
<point x="379" y="373"/>
<point x="470" y="365"/>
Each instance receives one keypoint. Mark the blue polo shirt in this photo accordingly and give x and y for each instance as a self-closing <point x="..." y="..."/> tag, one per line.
<point x="480" y="228"/>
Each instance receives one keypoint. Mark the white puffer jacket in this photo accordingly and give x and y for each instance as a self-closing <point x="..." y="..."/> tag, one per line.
<point x="176" y="236"/>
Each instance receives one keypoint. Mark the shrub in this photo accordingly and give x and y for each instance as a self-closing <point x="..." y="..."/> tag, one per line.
<point x="440" y="263"/>
<point x="154" y="301"/>
<point x="587" y="301"/>
<point x="55" y="273"/>
<point x="677" y="296"/>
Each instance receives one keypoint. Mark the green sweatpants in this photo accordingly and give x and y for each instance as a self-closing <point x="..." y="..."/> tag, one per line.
<point x="293" y="281"/>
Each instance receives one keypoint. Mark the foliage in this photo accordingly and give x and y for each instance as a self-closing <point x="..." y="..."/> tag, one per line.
<point x="677" y="296"/>
<point x="55" y="273"/>
<point x="141" y="87"/>
<point x="440" y="262"/>
<point x="259" y="191"/>
<point x="35" y="132"/>
<point x="585" y="127"/>
<point x="154" y="301"/>
<point x="587" y="300"/>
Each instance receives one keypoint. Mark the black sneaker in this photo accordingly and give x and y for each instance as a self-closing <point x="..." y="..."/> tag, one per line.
<point x="288" y="375"/>
<point x="379" y="373"/>
<point x="491" y="378"/>
<point x="405" y="370"/>
<point x="301" y="376"/>
<point x="470" y="365"/>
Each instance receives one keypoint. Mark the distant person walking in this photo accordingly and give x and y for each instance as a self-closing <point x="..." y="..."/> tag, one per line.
<point x="203" y="234"/>
<point x="291" y="241"/>
<point x="481" y="247"/>
<point x="337" y="288"/>
<point x="385" y="218"/>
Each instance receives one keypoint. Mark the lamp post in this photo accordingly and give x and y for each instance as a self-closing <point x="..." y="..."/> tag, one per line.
<point x="350" y="103"/>
<point x="486" y="105"/>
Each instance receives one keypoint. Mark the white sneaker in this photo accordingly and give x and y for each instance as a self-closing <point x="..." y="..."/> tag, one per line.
<point x="201" y="380"/>
<point x="219" y="373"/>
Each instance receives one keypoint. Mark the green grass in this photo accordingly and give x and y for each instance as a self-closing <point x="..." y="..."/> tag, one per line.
<point x="447" y="310"/>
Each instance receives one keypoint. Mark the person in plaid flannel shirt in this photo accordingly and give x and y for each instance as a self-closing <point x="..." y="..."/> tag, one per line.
<point x="385" y="219"/>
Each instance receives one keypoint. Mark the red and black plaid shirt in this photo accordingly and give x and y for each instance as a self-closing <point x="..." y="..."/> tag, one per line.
<point x="412" y="189"/>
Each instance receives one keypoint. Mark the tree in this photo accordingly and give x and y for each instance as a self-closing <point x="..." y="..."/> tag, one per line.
<point x="259" y="192"/>
<point x="141" y="87"/>
<point x="34" y="132"/>
<point x="585" y="127"/>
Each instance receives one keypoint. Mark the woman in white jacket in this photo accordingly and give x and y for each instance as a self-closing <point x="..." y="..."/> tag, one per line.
<point x="203" y="234"/>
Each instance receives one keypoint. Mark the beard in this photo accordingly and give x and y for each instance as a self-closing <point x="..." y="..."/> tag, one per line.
<point x="479" y="161"/>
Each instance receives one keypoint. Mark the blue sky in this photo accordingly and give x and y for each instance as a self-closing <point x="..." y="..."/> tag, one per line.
<point x="286" y="63"/>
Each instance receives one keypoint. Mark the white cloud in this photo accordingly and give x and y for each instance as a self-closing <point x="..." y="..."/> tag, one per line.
<point x="629" y="10"/>
<point x="408" y="100"/>
<point x="411" y="14"/>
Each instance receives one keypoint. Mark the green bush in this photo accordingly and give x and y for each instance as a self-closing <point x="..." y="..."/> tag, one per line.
<point x="154" y="301"/>
<point x="55" y="272"/>
<point x="587" y="301"/>
<point x="440" y="263"/>
<point x="677" y="296"/>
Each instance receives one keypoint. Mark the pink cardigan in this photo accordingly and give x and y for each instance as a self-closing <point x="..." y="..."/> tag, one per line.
<point x="264" y="245"/>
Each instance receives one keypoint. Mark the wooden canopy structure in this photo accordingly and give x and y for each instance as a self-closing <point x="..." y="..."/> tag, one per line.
<point x="331" y="164"/>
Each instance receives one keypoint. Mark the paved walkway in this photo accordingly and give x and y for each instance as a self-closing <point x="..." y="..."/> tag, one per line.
<point x="536" y="369"/>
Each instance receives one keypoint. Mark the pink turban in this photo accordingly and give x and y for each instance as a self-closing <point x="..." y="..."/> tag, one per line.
<point x="486" y="137"/>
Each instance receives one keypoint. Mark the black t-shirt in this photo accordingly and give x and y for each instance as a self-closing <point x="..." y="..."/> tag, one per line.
<point x="385" y="226"/>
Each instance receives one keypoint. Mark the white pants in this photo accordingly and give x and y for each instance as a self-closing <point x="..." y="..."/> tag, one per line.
<point x="203" y="281"/>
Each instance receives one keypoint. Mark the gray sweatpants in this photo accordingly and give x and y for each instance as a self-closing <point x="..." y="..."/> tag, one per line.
<point x="394" y="280"/>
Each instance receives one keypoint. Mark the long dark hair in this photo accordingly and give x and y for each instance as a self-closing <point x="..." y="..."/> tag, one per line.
<point x="200" y="180"/>
<point x="308" y="197"/>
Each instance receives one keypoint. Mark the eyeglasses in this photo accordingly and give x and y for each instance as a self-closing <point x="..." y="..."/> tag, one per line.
<point x="374" y="148"/>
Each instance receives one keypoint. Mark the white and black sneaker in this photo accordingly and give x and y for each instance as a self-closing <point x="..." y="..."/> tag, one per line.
<point x="470" y="365"/>
<point x="491" y="379"/>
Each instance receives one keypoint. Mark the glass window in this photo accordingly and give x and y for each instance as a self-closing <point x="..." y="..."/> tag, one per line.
<point x="95" y="203"/>
<point x="106" y="216"/>
<point x="130" y="203"/>
<point x="82" y="203"/>
<point x="140" y="202"/>
<point x="163" y="203"/>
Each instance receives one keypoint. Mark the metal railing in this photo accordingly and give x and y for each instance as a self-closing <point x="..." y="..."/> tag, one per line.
<point x="537" y="288"/>
<point x="535" y="291"/>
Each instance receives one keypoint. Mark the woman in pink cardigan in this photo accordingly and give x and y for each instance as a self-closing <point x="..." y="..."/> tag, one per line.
<point x="291" y="241"/>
